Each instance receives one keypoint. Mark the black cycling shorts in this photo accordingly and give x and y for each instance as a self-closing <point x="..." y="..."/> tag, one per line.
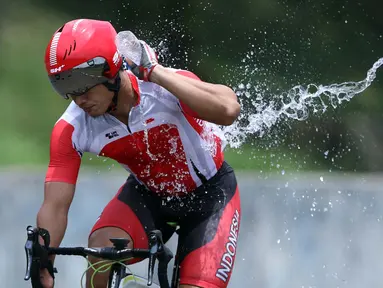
<point x="209" y="220"/>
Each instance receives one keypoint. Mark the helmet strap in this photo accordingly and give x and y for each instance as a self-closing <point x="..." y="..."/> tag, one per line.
<point x="114" y="87"/>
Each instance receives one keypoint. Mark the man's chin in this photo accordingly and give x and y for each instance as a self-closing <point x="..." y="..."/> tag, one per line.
<point x="94" y="114"/>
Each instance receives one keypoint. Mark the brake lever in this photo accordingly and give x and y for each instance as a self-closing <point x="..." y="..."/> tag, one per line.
<point x="28" y="252"/>
<point x="153" y="249"/>
<point x="32" y="235"/>
<point x="33" y="249"/>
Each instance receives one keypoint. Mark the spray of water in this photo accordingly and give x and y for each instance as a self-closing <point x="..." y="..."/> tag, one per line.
<point x="262" y="108"/>
<point x="266" y="111"/>
<point x="295" y="103"/>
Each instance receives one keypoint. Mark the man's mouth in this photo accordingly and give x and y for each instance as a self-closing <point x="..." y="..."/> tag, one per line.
<point x="88" y="109"/>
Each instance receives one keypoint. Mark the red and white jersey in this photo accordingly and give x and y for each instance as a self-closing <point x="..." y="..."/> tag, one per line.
<point x="165" y="146"/>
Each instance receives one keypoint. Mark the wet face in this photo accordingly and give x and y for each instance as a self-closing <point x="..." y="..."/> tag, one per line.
<point x="96" y="101"/>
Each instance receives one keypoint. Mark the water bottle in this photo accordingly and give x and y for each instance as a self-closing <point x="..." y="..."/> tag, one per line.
<point x="129" y="46"/>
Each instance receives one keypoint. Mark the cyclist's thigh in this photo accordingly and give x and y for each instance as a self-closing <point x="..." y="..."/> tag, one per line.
<point x="208" y="245"/>
<point x="131" y="214"/>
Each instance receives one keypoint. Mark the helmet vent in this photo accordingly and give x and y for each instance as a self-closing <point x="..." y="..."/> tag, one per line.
<point x="61" y="29"/>
<point x="71" y="48"/>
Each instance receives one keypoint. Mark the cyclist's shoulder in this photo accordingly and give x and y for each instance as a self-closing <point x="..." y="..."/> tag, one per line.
<point x="76" y="117"/>
<point x="73" y="114"/>
<point x="73" y="119"/>
<point x="70" y="114"/>
<point x="71" y="129"/>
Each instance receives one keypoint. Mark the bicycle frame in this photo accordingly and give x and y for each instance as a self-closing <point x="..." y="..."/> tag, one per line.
<point x="118" y="273"/>
<point x="176" y="271"/>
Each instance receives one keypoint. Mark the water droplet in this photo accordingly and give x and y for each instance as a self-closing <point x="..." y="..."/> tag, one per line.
<point x="287" y="184"/>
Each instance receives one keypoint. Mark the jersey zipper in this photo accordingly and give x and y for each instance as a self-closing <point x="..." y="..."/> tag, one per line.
<point x="127" y="126"/>
<point x="199" y="173"/>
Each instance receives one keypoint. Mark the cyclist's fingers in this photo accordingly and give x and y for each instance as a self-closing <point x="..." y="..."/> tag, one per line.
<point x="46" y="279"/>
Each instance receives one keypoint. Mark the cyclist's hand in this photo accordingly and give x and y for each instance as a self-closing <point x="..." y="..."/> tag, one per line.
<point x="46" y="278"/>
<point x="148" y="62"/>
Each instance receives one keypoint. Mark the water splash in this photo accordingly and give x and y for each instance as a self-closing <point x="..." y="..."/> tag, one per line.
<point x="294" y="104"/>
<point x="266" y="110"/>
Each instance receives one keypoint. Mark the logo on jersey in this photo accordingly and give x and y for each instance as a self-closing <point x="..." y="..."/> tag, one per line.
<point x="150" y="120"/>
<point x="112" y="134"/>
<point x="199" y="122"/>
<point x="227" y="260"/>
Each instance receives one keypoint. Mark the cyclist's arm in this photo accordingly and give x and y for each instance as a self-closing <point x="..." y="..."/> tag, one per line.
<point x="60" y="182"/>
<point x="211" y="102"/>
<point x="53" y="214"/>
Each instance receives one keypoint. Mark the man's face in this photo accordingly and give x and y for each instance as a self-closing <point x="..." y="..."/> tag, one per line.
<point x="96" y="101"/>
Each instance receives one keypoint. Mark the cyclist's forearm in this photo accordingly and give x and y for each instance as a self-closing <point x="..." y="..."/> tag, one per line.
<point x="212" y="102"/>
<point x="53" y="219"/>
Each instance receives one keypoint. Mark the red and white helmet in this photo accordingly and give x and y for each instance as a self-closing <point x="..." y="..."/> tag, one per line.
<point x="81" y="55"/>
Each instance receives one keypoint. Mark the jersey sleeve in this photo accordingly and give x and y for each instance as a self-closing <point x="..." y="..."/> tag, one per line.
<point x="185" y="108"/>
<point x="65" y="160"/>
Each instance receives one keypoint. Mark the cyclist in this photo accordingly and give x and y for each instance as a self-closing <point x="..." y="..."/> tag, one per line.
<point x="161" y="125"/>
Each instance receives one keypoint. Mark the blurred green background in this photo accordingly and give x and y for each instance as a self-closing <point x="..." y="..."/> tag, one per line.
<point x="295" y="42"/>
